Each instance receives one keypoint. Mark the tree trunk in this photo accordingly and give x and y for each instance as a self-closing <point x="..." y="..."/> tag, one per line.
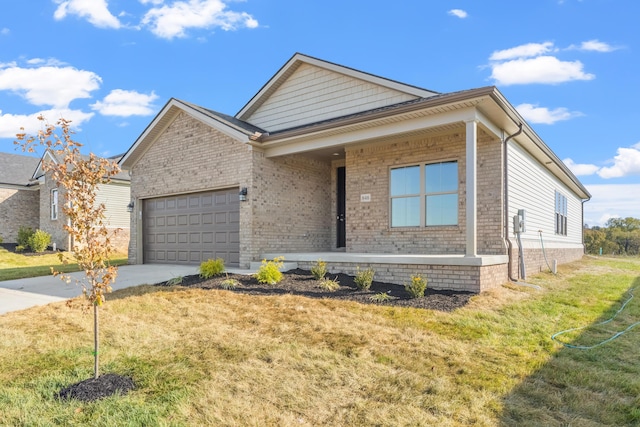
<point x="96" y="345"/>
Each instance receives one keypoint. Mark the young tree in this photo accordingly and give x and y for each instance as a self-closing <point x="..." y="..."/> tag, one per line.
<point x="78" y="177"/>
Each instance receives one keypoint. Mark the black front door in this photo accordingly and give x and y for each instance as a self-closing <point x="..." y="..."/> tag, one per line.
<point x="341" y="207"/>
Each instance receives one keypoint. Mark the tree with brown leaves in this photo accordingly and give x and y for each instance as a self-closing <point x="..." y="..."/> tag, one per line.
<point x="78" y="178"/>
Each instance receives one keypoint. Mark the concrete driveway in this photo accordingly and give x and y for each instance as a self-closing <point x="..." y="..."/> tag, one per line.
<point x="24" y="293"/>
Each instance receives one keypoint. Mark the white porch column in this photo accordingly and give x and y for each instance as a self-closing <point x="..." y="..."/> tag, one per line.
<point x="472" y="188"/>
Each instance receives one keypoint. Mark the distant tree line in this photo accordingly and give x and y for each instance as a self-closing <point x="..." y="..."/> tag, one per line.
<point x="619" y="236"/>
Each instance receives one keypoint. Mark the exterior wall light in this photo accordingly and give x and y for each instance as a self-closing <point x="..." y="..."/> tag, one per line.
<point x="243" y="194"/>
<point x="130" y="207"/>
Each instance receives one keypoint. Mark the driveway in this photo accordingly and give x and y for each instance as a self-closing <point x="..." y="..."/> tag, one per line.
<point x="24" y="293"/>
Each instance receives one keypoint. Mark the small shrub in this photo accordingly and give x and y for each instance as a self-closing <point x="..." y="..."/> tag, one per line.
<point x="229" y="283"/>
<point x="211" y="267"/>
<point x="175" y="281"/>
<point x="20" y="248"/>
<point x="269" y="272"/>
<point x="319" y="269"/>
<point x="1" y="241"/>
<point x="24" y="234"/>
<point x="416" y="288"/>
<point x="364" y="278"/>
<point x="381" y="297"/>
<point x="330" y="285"/>
<point x="39" y="241"/>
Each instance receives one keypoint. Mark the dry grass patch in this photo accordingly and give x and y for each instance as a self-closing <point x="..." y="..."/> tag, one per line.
<point x="215" y="357"/>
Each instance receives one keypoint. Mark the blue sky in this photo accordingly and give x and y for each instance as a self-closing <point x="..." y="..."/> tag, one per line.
<point x="569" y="66"/>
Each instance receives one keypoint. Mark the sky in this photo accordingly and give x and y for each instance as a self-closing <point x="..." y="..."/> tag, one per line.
<point x="570" y="67"/>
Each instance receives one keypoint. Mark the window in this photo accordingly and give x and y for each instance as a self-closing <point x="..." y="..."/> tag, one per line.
<point x="424" y="195"/>
<point x="561" y="214"/>
<point x="54" y="204"/>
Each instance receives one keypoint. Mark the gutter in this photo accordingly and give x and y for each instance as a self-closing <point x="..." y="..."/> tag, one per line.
<point x="505" y="169"/>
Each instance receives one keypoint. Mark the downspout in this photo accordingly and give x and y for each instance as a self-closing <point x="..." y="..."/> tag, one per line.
<point x="506" y="198"/>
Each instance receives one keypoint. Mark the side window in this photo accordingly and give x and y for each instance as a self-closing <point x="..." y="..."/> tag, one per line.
<point x="54" y="204"/>
<point x="561" y="214"/>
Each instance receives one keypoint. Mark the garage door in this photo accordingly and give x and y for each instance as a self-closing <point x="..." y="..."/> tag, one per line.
<point x="191" y="228"/>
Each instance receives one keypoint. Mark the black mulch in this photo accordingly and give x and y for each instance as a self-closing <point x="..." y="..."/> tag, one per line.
<point x="301" y="282"/>
<point x="97" y="388"/>
<point x="11" y="247"/>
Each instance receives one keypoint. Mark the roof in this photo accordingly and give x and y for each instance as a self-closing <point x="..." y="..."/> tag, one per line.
<point x="120" y="176"/>
<point x="16" y="169"/>
<point x="424" y="109"/>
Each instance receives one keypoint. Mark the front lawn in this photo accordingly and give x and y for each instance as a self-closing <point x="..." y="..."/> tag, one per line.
<point x="19" y="266"/>
<point x="216" y="357"/>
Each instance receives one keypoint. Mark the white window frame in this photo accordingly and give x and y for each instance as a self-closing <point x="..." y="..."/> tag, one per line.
<point x="54" y="204"/>
<point x="423" y="195"/>
<point x="561" y="214"/>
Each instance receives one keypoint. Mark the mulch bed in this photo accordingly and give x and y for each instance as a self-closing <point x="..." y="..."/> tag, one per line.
<point x="97" y="388"/>
<point x="301" y="282"/>
<point x="11" y="247"/>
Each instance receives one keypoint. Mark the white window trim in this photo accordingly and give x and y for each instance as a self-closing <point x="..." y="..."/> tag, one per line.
<point x="422" y="195"/>
<point x="54" y="204"/>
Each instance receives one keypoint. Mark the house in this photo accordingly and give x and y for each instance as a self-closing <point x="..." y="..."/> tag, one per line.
<point x="327" y="162"/>
<point x="30" y="199"/>
<point x="19" y="197"/>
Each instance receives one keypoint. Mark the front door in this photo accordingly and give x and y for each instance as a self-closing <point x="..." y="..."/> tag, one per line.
<point x="341" y="208"/>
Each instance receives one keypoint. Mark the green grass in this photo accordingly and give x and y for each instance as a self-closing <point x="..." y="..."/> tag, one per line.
<point x="18" y="266"/>
<point x="213" y="357"/>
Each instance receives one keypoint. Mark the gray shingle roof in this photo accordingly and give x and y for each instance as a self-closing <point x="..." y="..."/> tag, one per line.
<point x="16" y="169"/>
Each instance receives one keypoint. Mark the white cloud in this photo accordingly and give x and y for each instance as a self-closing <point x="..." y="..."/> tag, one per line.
<point x="54" y="86"/>
<point x="581" y="169"/>
<point x="534" y="114"/>
<point x="611" y="201"/>
<point x="172" y="21"/>
<point x="95" y="11"/>
<point x="523" y="51"/>
<point x="594" y="46"/>
<point x="10" y="124"/>
<point x="458" y="13"/>
<point x="124" y="103"/>
<point x="542" y="69"/>
<point x="625" y="163"/>
<point x="4" y="31"/>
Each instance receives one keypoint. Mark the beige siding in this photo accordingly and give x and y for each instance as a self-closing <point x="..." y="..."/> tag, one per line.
<point x="116" y="197"/>
<point x="314" y="94"/>
<point x="532" y="187"/>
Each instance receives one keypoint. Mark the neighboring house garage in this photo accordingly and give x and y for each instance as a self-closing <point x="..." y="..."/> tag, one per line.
<point x="191" y="228"/>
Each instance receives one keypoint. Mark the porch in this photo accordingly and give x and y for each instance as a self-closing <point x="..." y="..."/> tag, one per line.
<point x="453" y="272"/>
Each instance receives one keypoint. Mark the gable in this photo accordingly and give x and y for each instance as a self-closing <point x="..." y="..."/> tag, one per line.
<point x="311" y="91"/>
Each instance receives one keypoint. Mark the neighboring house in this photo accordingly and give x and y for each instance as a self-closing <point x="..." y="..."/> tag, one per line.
<point x="35" y="201"/>
<point x="327" y="162"/>
<point x="19" y="196"/>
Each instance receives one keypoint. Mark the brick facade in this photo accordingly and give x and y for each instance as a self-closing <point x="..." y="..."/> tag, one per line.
<point x="459" y="278"/>
<point x="368" y="167"/>
<point x="191" y="156"/>
<point x="18" y="208"/>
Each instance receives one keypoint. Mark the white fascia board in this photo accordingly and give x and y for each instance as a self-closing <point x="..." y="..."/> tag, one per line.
<point x="309" y="143"/>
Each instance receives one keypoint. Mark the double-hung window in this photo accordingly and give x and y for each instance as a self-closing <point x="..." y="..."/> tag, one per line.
<point x="54" y="204"/>
<point x="561" y="214"/>
<point x="424" y="195"/>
